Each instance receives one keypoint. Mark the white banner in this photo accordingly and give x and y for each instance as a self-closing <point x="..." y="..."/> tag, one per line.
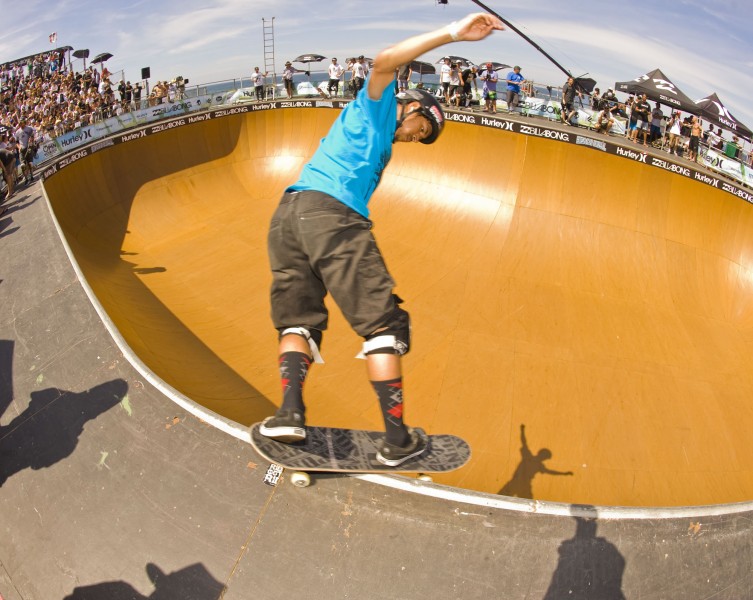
<point x="83" y="135"/>
<point x="720" y="162"/>
<point x="552" y="110"/>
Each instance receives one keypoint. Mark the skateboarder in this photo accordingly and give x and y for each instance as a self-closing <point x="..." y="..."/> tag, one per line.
<point x="320" y="241"/>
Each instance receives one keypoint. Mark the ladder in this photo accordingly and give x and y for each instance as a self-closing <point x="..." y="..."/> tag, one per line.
<point x="268" y="29"/>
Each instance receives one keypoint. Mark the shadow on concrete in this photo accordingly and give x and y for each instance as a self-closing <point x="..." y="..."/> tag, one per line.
<point x="48" y="430"/>
<point x="590" y="567"/>
<point x="190" y="583"/>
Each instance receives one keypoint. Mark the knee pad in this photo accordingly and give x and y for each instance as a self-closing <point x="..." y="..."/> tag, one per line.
<point x="393" y="339"/>
<point x="312" y="336"/>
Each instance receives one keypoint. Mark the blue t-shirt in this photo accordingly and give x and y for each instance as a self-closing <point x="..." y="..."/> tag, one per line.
<point x="349" y="161"/>
<point x="517" y="78"/>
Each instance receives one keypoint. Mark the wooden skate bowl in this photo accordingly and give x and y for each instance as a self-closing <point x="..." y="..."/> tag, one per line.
<point x="604" y="304"/>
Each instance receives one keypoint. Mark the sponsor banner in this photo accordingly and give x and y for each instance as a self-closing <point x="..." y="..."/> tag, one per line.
<point x="84" y="135"/>
<point x="631" y="153"/>
<point x="49" y="149"/>
<point x="552" y="110"/>
<point x="713" y="159"/>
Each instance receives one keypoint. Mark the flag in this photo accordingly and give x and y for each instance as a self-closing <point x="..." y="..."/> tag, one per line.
<point x="53" y="37"/>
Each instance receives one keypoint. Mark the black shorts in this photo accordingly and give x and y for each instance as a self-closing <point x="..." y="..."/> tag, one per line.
<point x="8" y="159"/>
<point x="693" y="145"/>
<point x="318" y="245"/>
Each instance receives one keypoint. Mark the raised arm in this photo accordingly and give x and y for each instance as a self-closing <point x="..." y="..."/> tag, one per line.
<point x="472" y="28"/>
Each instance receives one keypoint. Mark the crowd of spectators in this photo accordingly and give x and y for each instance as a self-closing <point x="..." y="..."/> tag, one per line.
<point x="668" y="131"/>
<point x="54" y="99"/>
<point x="42" y="97"/>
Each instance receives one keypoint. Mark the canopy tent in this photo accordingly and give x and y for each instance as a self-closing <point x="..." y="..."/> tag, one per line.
<point x="657" y="86"/>
<point x="422" y="68"/>
<point x="83" y="53"/>
<point x="367" y="60"/>
<point x="585" y="84"/>
<point x="26" y="59"/>
<point x="713" y="111"/>
<point x="101" y="59"/>
<point x="496" y="66"/>
<point x="309" y="58"/>
<point x="463" y="63"/>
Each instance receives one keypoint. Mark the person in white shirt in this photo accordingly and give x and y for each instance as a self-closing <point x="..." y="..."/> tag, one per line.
<point x="25" y="137"/>
<point x="257" y="78"/>
<point x="456" y="84"/>
<point x="335" y="71"/>
<point x="360" y="70"/>
<point x="444" y="79"/>
<point x="287" y="78"/>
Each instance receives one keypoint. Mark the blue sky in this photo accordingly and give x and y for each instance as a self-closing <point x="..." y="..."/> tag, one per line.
<point x="704" y="46"/>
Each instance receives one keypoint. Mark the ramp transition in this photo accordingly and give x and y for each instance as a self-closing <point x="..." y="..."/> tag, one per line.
<point x="603" y="305"/>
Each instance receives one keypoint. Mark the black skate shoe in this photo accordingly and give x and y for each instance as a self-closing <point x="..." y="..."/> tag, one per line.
<point x="394" y="456"/>
<point x="287" y="426"/>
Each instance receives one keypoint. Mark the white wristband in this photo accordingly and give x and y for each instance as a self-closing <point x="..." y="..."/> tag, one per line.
<point x="452" y="29"/>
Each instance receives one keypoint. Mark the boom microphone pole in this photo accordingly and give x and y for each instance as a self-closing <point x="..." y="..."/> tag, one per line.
<point x="524" y="36"/>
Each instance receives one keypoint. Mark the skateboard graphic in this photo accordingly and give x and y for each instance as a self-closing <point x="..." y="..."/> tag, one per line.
<point x="328" y="449"/>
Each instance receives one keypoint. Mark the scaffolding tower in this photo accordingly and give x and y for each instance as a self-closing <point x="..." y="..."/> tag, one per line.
<point x="268" y="29"/>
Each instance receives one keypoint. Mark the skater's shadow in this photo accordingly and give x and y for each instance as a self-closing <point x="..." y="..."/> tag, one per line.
<point x="521" y="484"/>
<point x="590" y="567"/>
<point x="6" y="217"/>
<point x="193" y="582"/>
<point x="48" y="429"/>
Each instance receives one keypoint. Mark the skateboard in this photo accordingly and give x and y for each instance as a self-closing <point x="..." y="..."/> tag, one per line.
<point x="328" y="449"/>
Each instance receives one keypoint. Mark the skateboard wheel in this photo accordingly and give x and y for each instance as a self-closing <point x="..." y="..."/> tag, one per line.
<point x="426" y="478"/>
<point x="300" y="479"/>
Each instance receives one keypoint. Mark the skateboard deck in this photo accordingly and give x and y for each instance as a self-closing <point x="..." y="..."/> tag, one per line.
<point x="328" y="449"/>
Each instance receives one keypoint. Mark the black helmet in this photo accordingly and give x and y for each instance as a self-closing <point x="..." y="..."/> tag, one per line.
<point x="430" y="109"/>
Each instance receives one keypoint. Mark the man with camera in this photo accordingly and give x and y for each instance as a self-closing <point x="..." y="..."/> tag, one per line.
<point x="607" y="105"/>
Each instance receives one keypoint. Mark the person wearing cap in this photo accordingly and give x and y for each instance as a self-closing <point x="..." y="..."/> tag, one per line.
<point x="287" y="78"/>
<point x="335" y="71"/>
<point x="320" y="242"/>
<point x="674" y="127"/>
<point x="470" y="74"/>
<point x="514" y="79"/>
<point x="489" y="77"/>
<point x="359" y="71"/>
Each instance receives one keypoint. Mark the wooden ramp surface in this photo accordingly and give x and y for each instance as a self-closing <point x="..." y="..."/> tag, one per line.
<point x="603" y="305"/>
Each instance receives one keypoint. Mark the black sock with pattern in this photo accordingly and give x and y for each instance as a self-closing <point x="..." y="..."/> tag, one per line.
<point x="390" y="394"/>
<point x="294" y="366"/>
